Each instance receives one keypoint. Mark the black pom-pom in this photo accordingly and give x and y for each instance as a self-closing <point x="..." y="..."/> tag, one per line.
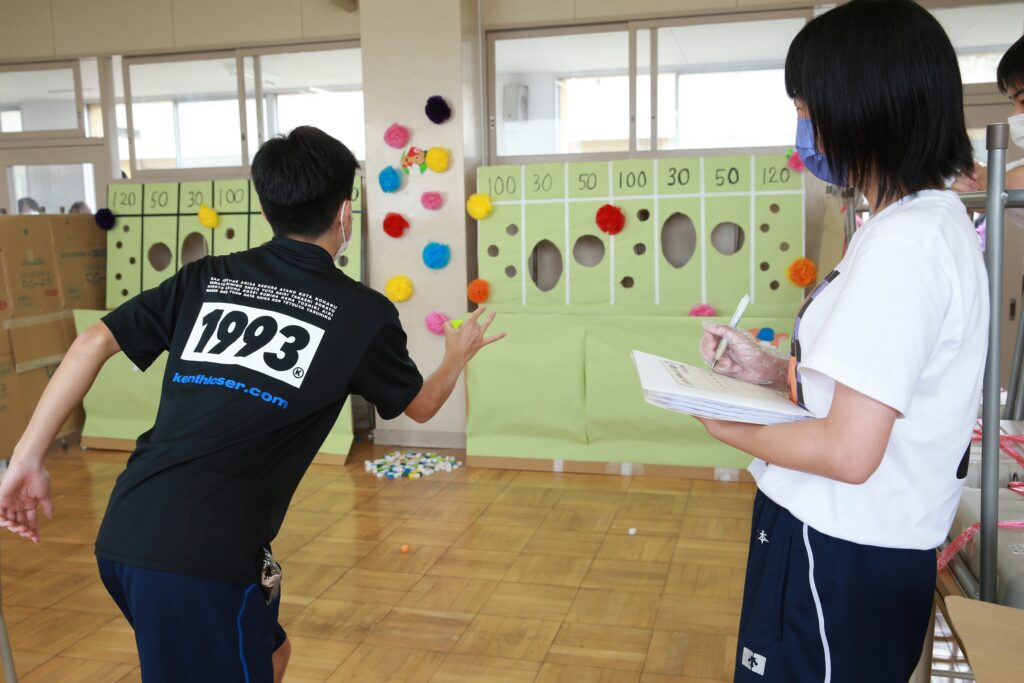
<point x="105" y="219"/>
<point x="437" y="109"/>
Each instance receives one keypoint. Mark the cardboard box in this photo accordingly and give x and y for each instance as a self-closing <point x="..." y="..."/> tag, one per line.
<point x="38" y="342"/>
<point x="991" y="637"/>
<point x="29" y="265"/>
<point x="32" y="384"/>
<point x="12" y="408"/>
<point x="6" y="309"/>
<point x="81" y="251"/>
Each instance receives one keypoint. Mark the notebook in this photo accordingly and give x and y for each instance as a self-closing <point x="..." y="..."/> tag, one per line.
<point x="698" y="391"/>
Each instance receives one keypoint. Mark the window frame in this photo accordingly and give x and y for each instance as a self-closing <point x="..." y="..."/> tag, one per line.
<point x="77" y="133"/>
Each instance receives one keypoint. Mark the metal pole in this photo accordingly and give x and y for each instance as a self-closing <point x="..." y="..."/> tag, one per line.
<point x="997" y="135"/>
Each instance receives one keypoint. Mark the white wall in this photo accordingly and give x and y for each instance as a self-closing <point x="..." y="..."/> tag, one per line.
<point x="397" y="80"/>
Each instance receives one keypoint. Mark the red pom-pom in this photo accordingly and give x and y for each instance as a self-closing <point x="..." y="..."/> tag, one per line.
<point x="610" y="219"/>
<point x="395" y="224"/>
<point x="478" y="291"/>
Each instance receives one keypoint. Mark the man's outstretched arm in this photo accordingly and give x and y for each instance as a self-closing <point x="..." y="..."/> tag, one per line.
<point x="26" y="484"/>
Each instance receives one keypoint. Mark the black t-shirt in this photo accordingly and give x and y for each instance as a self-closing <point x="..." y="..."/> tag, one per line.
<point x="264" y="347"/>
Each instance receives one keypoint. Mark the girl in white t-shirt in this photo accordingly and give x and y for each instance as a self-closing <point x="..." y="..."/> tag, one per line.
<point x="888" y="353"/>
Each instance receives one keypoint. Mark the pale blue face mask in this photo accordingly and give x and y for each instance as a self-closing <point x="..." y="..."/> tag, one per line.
<point x="814" y="160"/>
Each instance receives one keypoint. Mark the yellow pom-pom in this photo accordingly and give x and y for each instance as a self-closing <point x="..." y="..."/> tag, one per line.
<point x="208" y="217"/>
<point x="398" y="288"/>
<point x="457" y="323"/>
<point x="479" y="206"/>
<point x="437" y="159"/>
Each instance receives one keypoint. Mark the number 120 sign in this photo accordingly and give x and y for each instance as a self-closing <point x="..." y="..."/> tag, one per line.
<point x="268" y="342"/>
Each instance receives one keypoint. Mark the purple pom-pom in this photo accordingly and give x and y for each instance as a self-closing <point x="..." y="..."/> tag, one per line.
<point x="437" y="109"/>
<point x="105" y="219"/>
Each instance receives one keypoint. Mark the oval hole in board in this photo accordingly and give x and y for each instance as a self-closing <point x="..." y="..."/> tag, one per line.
<point x="678" y="239"/>
<point x="160" y="256"/>
<point x="588" y="251"/>
<point x="193" y="248"/>
<point x="545" y="265"/>
<point x="727" y="238"/>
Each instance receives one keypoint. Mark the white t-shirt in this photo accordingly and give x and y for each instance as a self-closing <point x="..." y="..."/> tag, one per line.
<point x="905" y="322"/>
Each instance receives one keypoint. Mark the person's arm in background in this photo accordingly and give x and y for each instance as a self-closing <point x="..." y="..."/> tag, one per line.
<point x="977" y="180"/>
<point x="459" y="348"/>
<point x="26" y="483"/>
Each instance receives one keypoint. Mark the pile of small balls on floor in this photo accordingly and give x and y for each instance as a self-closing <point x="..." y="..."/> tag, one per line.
<point x="411" y="465"/>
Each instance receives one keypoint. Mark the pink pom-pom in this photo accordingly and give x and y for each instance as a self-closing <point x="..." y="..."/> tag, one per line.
<point x="431" y="200"/>
<point x="703" y="311"/>
<point x="795" y="162"/>
<point x="435" y="322"/>
<point x="396" y="136"/>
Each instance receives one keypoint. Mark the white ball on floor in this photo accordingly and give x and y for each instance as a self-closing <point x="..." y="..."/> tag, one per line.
<point x="632" y="531"/>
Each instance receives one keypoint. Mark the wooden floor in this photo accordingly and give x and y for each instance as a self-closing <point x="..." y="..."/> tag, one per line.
<point x="512" y="576"/>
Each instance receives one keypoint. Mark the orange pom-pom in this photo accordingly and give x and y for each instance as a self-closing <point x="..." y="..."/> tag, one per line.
<point x="802" y="272"/>
<point x="479" y="291"/>
<point x="404" y="549"/>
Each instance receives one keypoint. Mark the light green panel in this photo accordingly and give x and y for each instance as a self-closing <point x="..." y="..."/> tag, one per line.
<point x="772" y="174"/>
<point x="260" y="231"/>
<point x="636" y="237"/>
<point x="231" y="235"/>
<point x="500" y="183"/>
<point x="193" y="195"/>
<point x="530" y="391"/>
<point x="679" y="287"/>
<point x="494" y="231"/>
<point x="351" y="262"/>
<point x="159" y="230"/>
<point x="545" y="181"/>
<point x="124" y="199"/>
<point x="728" y="277"/>
<point x="230" y="196"/>
<point x="357" y="194"/>
<point x="678" y="176"/>
<point x="339" y="439"/>
<point x="727" y="174"/>
<point x="124" y="251"/>
<point x="588" y="285"/>
<point x="161" y="199"/>
<point x="189" y="225"/>
<point x="632" y="177"/>
<point x="589" y="180"/>
<point x="545" y="222"/>
<point x="122" y="402"/>
<point x="780" y="245"/>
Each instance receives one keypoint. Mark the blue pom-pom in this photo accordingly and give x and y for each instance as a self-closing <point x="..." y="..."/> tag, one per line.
<point x="390" y="179"/>
<point x="105" y="219"/>
<point x="436" y="255"/>
<point x="437" y="109"/>
<point x="766" y="334"/>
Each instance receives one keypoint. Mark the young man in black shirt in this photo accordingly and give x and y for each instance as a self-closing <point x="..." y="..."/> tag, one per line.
<point x="264" y="347"/>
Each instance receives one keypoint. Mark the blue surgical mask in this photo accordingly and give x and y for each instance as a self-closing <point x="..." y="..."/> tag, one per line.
<point x="814" y="160"/>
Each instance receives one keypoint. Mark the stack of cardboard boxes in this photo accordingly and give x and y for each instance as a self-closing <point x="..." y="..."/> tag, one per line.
<point x="49" y="266"/>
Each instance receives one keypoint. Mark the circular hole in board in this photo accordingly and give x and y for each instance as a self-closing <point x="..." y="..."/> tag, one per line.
<point x="117" y="276"/>
<point x="493" y="250"/>
<point x="124" y="292"/>
<point x="132" y="260"/>
<point x="193" y="248"/>
<point x="512" y="230"/>
<point x="230" y="233"/>
<point x="639" y="248"/>
<point x="588" y="251"/>
<point x="627" y="282"/>
<point x="546" y="265"/>
<point x="727" y="238"/>
<point x="343" y="261"/>
<point x="511" y="271"/>
<point x="764" y="227"/>
<point x="126" y="228"/>
<point x="774" y="284"/>
<point x="678" y="239"/>
<point x="784" y="246"/>
<point x="643" y="214"/>
<point x="159" y="256"/>
<point x="119" y="245"/>
<point x="764" y="265"/>
<point x="774" y="208"/>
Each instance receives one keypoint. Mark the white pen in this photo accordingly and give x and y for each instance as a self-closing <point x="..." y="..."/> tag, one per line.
<point x="720" y="351"/>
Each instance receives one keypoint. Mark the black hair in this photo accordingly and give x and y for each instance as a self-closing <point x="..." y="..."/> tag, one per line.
<point x="302" y="179"/>
<point x="1010" y="72"/>
<point x="27" y="204"/>
<point x="882" y="88"/>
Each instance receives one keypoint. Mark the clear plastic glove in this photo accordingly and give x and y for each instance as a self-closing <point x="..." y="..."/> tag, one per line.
<point x="744" y="358"/>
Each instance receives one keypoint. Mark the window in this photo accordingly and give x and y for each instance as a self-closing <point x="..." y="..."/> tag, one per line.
<point x="55" y="188"/>
<point x="565" y="94"/>
<point x="41" y="99"/>
<point x="184" y="114"/>
<point x="722" y="85"/>
<point x="322" y="88"/>
<point x="981" y="34"/>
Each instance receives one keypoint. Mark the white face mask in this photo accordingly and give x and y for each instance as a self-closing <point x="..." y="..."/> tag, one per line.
<point x="1017" y="129"/>
<point x="345" y="241"/>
